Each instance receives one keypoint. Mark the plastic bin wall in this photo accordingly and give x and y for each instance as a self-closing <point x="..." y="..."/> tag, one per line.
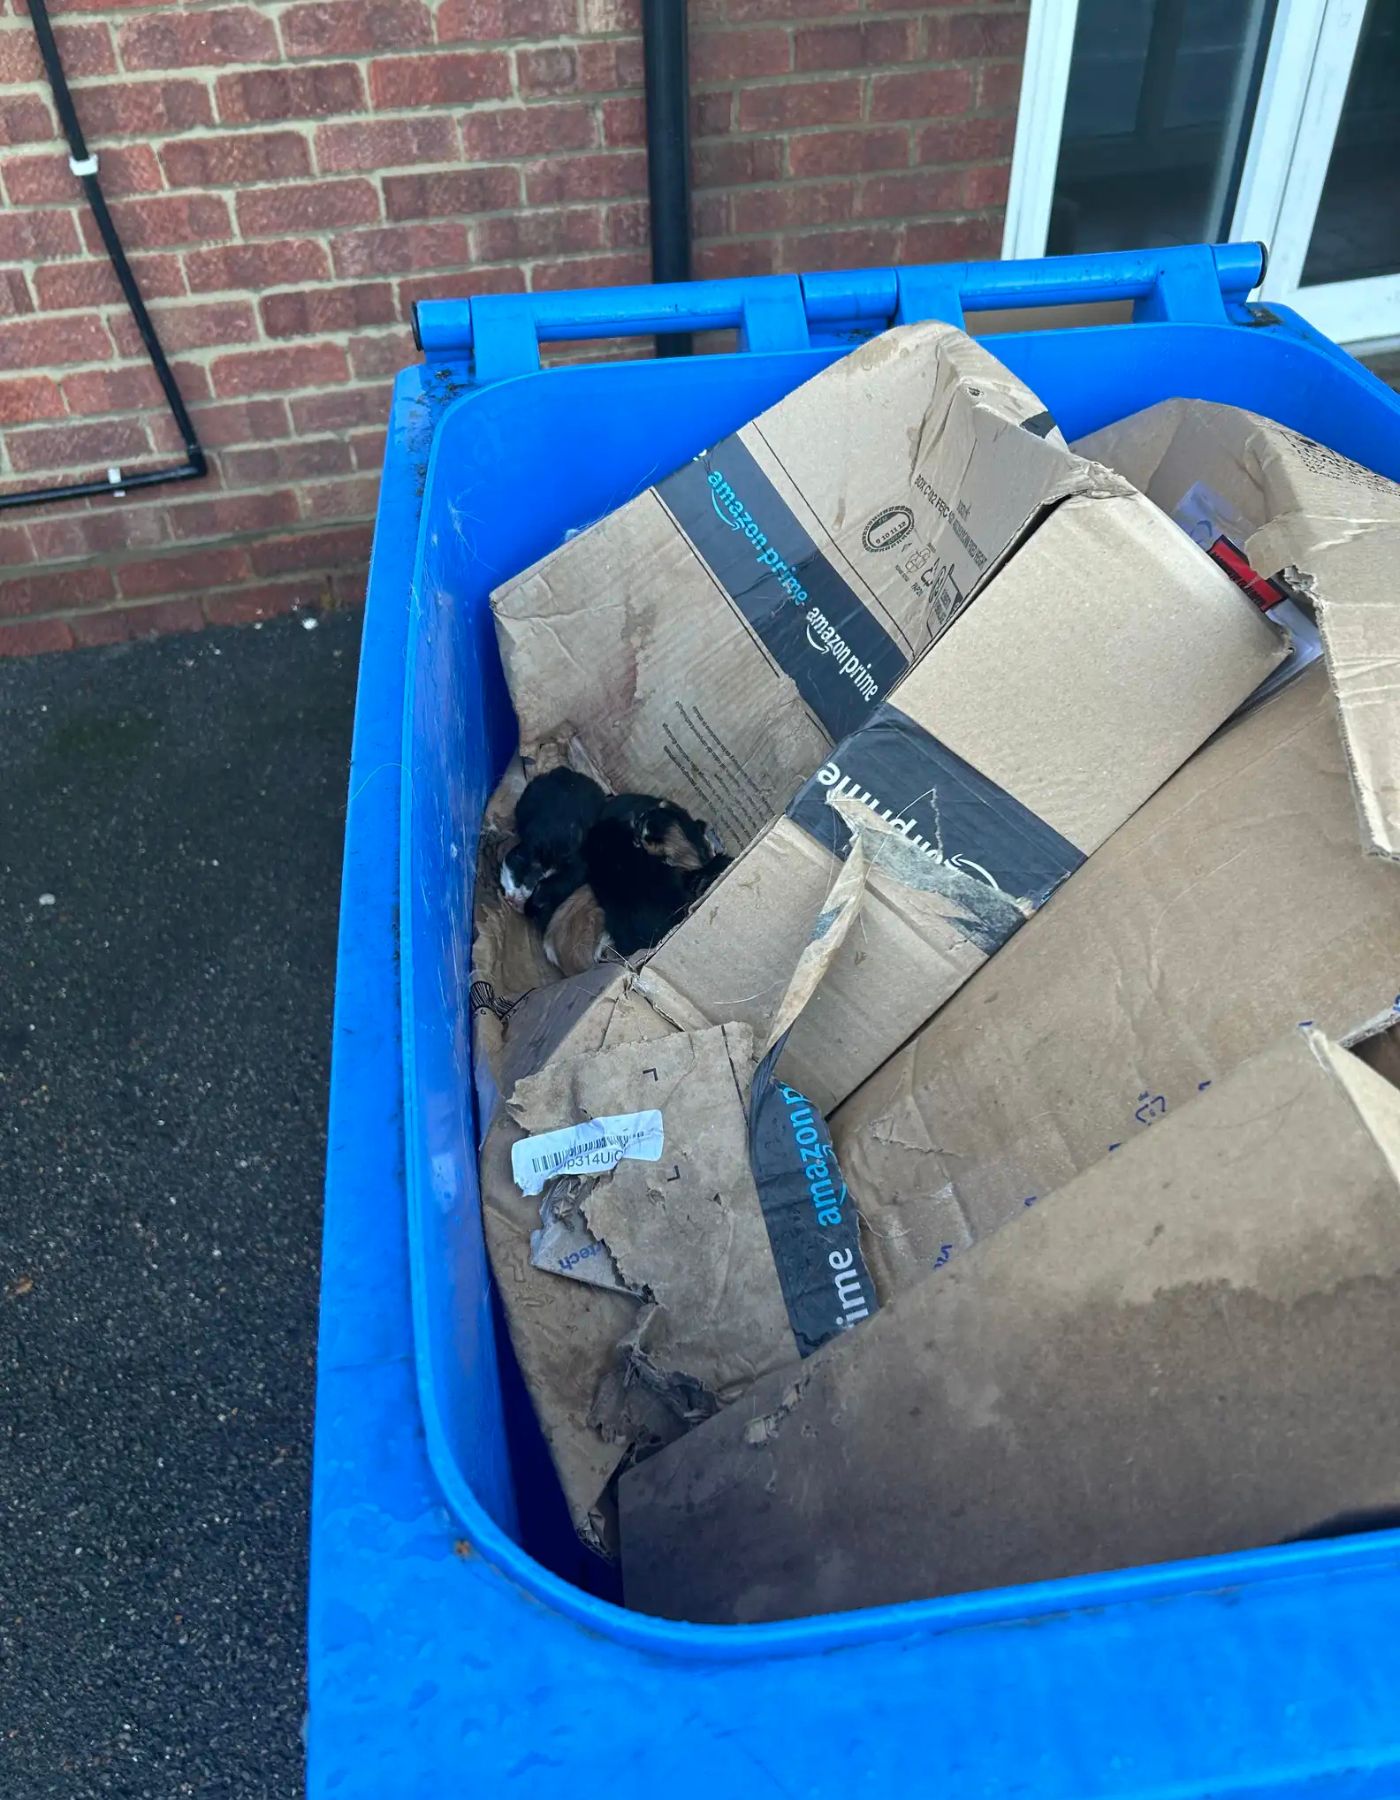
<point x="460" y="1640"/>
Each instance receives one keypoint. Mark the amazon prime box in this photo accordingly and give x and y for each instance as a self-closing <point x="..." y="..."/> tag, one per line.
<point x="713" y="637"/>
<point x="1239" y="902"/>
<point x="1095" y="661"/>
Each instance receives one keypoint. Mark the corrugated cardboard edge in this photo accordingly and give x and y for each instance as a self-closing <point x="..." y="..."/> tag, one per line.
<point x="566" y="1367"/>
<point x="1370" y="716"/>
<point x="1371" y="1094"/>
<point x="1358" y="610"/>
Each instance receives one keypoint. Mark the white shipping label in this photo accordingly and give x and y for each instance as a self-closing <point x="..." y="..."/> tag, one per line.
<point x="589" y="1149"/>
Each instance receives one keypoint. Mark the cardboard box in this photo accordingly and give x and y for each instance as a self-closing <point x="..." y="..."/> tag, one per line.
<point x="1329" y="527"/>
<point x="1188" y="1350"/>
<point x="1089" y="668"/>
<point x="714" y="636"/>
<point x="1235" y="904"/>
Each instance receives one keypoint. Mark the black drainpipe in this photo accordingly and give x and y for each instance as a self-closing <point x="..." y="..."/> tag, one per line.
<point x="84" y="166"/>
<point x="667" y="64"/>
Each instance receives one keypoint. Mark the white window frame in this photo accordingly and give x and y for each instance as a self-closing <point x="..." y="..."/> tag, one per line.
<point x="1300" y="103"/>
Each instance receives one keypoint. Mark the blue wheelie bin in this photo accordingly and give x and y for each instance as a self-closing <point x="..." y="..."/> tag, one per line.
<point x="461" y="1642"/>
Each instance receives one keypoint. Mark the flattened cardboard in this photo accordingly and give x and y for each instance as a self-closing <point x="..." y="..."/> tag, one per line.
<point x="641" y="1300"/>
<point x="1234" y="905"/>
<point x="1329" y="525"/>
<point x="565" y="1334"/>
<point x="1094" y="662"/>
<point x="686" y="1232"/>
<point x="1189" y="1350"/>
<point x="710" y="639"/>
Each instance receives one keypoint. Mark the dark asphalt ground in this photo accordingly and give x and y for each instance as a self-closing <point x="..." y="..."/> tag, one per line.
<point x="164" y="1034"/>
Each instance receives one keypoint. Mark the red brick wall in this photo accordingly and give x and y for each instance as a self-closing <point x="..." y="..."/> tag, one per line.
<point x="289" y="177"/>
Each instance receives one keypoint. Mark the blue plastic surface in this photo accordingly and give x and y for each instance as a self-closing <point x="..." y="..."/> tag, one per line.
<point x="450" y="1652"/>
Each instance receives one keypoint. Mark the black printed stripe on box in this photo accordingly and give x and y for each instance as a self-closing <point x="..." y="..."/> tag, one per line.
<point x="811" y="1219"/>
<point x="813" y="624"/>
<point x="985" y="849"/>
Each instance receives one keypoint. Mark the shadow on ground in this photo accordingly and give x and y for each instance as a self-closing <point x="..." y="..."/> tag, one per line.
<point x="171" y="817"/>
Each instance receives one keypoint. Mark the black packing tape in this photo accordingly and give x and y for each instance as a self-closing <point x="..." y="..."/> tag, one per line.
<point x="812" y="623"/>
<point x="988" y="847"/>
<point x="811" y="1218"/>
<point x="1039" y="424"/>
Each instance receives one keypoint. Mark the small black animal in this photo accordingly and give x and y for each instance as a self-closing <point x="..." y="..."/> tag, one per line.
<point x="552" y="817"/>
<point x="552" y="889"/>
<point x="671" y="834"/>
<point x="648" y="861"/>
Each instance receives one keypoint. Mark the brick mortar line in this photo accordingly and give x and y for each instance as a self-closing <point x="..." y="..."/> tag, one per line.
<point x="523" y="165"/>
<point x="293" y="345"/>
<point x="334" y="233"/>
<point x="792" y="78"/>
<point x="105" y="608"/>
<point x="270" y="484"/>
<point x="116" y="561"/>
<point x="582" y="34"/>
<point x="208" y="73"/>
<point x="192" y="493"/>
<point x="932" y="215"/>
<point x="197" y="405"/>
<point x="255" y="490"/>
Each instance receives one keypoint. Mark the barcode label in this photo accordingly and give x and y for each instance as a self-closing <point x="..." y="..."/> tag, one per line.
<point x="588" y="1149"/>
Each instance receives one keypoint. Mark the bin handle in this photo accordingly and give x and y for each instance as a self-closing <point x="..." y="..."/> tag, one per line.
<point x="1193" y="283"/>
<point x="504" y="331"/>
<point x="1188" y="284"/>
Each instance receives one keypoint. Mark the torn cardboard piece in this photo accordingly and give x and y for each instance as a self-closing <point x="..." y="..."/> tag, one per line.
<point x="565" y="1333"/>
<point x="1189" y="1350"/>
<point x="564" y="1245"/>
<point x="1329" y="527"/>
<point x="684" y="1231"/>
<point x="680" y="1248"/>
<point x="1235" y="904"/>
<point x="1091" y="666"/>
<point x="710" y="639"/>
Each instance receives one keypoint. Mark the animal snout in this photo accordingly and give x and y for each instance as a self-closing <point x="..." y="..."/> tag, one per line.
<point x="517" y="884"/>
